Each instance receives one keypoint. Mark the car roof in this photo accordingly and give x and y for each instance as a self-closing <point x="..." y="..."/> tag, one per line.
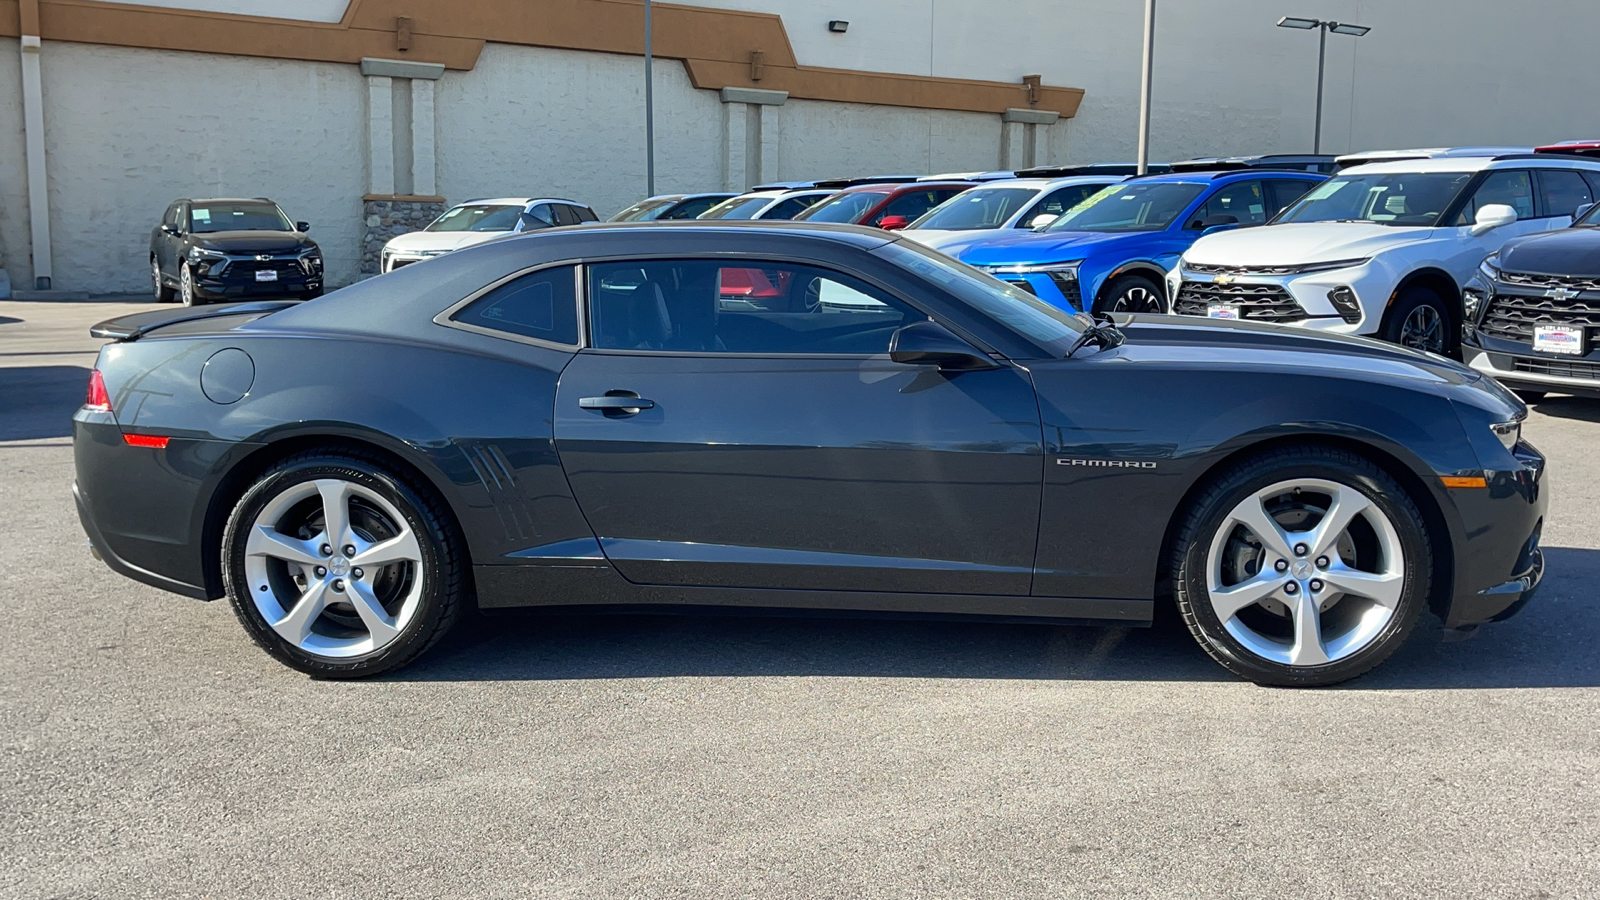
<point x="227" y="200"/>
<point x="1225" y="176"/>
<point x="1050" y="184"/>
<point x="516" y="201"/>
<point x="1470" y="164"/>
<point x="1366" y="157"/>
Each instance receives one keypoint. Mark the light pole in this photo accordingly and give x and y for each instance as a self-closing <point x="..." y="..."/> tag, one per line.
<point x="1144" y="84"/>
<point x="1323" y="27"/>
<point x="649" y="112"/>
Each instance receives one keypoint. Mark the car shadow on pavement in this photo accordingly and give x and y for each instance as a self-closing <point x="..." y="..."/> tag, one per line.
<point x="38" y="401"/>
<point x="1555" y="642"/>
<point x="1581" y="409"/>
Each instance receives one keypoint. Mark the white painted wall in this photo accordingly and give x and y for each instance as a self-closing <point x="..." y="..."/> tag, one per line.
<point x="530" y="121"/>
<point x="14" y="243"/>
<point x="129" y="131"/>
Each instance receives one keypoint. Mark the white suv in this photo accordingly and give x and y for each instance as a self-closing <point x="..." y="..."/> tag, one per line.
<point x="476" y="221"/>
<point x="1382" y="249"/>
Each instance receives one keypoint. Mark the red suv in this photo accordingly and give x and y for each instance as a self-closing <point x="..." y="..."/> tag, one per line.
<point x="887" y="206"/>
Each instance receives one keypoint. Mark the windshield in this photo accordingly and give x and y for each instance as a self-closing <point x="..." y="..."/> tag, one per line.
<point x="1415" y="199"/>
<point x="208" y="218"/>
<point x="977" y="209"/>
<point x="738" y="207"/>
<point x="1148" y="206"/>
<point x="644" y="210"/>
<point x="846" y="208"/>
<point x="1052" y="328"/>
<point x="477" y="218"/>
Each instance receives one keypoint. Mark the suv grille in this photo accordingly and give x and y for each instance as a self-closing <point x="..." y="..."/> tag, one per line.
<point x="1513" y="317"/>
<point x="1570" y="282"/>
<point x="1204" y="269"/>
<point x="1256" y="302"/>
<point x="1558" y="367"/>
<point x="246" y="269"/>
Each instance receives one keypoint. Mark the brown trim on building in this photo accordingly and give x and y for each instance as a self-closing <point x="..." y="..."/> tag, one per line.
<point x="714" y="44"/>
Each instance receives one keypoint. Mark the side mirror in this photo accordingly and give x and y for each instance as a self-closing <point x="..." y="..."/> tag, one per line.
<point x="1041" y="220"/>
<point x="170" y="229"/>
<point x="1581" y="211"/>
<point x="1492" y="216"/>
<point x="302" y="226"/>
<point x="527" y="222"/>
<point x="893" y="223"/>
<point x="928" y="342"/>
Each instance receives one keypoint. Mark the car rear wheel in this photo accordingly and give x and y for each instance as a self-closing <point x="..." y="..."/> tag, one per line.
<point x="1421" y="321"/>
<point x="1131" y="294"/>
<point x="163" y="293"/>
<point x="186" y="289"/>
<point x="339" y="568"/>
<point x="1302" y="567"/>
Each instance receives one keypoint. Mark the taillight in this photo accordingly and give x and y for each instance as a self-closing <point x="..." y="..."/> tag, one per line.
<point x="98" y="400"/>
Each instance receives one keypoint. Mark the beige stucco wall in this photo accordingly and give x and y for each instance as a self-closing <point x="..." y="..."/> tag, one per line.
<point x="128" y="131"/>
<point x="832" y="140"/>
<point x="14" y="244"/>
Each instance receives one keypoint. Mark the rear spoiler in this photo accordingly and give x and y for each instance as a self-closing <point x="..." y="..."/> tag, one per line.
<point x="136" y="325"/>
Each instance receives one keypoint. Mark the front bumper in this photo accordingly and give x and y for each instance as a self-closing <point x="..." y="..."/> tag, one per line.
<point x="1498" y="561"/>
<point x="1299" y="300"/>
<point x="1501" y="345"/>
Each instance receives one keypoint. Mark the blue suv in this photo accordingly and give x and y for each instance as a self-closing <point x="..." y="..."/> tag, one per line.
<point x="1111" y="252"/>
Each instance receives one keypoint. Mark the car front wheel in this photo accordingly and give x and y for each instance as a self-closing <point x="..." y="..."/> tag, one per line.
<point x="1302" y="567"/>
<point x="163" y="294"/>
<point x="1421" y="321"/>
<point x="1131" y="294"/>
<point x="186" y="289"/>
<point x="340" y="568"/>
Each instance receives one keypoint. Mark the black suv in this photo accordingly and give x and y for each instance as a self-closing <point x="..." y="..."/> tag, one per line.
<point x="229" y="249"/>
<point x="1533" y="310"/>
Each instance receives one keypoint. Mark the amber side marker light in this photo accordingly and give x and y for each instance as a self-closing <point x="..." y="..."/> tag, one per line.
<point x="148" y="440"/>
<point x="1464" y="481"/>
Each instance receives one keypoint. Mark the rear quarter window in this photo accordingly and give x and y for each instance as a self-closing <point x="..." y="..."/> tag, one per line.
<point x="541" y="305"/>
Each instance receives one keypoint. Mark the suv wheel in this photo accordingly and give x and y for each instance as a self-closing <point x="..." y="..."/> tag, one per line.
<point x="186" y="289"/>
<point x="163" y="294"/>
<point x="1302" y="567"/>
<point x="1131" y="294"/>
<point x="1420" y="320"/>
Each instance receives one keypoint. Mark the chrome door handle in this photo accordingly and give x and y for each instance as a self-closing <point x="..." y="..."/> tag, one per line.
<point x="618" y="401"/>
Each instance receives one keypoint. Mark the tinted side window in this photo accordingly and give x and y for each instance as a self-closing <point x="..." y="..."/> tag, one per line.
<point x="743" y="306"/>
<point x="565" y="215"/>
<point x="585" y="214"/>
<point x="170" y="217"/>
<point x="1563" y="191"/>
<point x="913" y="204"/>
<point x="1508" y="187"/>
<point x="1059" y="201"/>
<point x="542" y="305"/>
<point x="693" y="208"/>
<point x="539" y="216"/>
<point x="1283" y="192"/>
<point x="788" y="209"/>
<point x="1242" y="202"/>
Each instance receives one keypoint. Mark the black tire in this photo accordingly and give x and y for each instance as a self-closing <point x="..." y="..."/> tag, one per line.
<point x="1418" y="301"/>
<point x="1131" y="293"/>
<point x="163" y="293"/>
<point x="1530" y="396"/>
<point x="444" y="564"/>
<point x="1228" y="488"/>
<point x="191" y="295"/>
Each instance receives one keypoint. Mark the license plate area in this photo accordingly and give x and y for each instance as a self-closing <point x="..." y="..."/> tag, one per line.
<point x="1222" y="311"/>
<point x="1566" y="340"/>
<point x="266" y="274"/>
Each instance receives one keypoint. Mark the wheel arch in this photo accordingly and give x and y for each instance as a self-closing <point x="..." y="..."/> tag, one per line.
<point x="1148" y="268"/>
<point x="1435" y="279"/>
<point x="246" y="470"/>
<point x="1441" y="586"/>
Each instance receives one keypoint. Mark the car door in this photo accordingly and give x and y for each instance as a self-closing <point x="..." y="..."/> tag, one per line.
<point x="738" y="423"/>
<point x="1561" y="192"/>
<point x="169" y="244"/>
<point x="1507" y="187"/>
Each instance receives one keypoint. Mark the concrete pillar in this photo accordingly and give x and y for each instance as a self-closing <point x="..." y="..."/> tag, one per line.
<point x="424" y="171"/>
<point x="1025" y="137"/>
<point x="750" y="135"/>
<point x="38" y="180"/>
<point x="380" y="134"/>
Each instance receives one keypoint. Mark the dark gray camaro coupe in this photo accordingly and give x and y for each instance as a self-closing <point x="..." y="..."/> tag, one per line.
<point x="793" y="416"/>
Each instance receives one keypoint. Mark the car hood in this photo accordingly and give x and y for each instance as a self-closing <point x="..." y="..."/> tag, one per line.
<point x="1292" y="243"/>
<point x="1029" y="247"/>
<point x="440" y="241"/>
<point x="1258" y="344"/>
<point x="253" y="241"/>
<point x="940" y="239"/>
<point x="1570" y="251"/>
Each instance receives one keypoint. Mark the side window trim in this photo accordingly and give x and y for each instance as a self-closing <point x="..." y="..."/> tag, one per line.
<point x="447" y="317"/>
<point x="585" y="326"/>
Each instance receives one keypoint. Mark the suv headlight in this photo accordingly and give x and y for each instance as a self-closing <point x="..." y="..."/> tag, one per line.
<point x="311" y="260"/>
<point x="196" y="254"/>
<point x="1068" y="268"/>
<point x="1490" y="268"/>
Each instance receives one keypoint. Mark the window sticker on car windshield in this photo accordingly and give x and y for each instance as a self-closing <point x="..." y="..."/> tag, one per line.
<point x="202" y="215"/>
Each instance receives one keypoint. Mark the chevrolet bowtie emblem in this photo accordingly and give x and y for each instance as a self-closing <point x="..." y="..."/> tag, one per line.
<point x="1561" y="293"/>
<point x="1224" y="279"/>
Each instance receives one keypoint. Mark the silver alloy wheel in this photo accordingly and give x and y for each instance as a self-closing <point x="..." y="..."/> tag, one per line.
<point x="1423" y="329"/>
<point x="1305" y="572"/>
<point x="317" y="596"/>
<point x="186" y="284"/>
<point x="155" y="277"/>
<point x="1137" y="299"/>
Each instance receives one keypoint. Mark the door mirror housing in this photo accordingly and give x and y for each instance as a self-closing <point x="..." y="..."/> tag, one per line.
<point x="929" y="343"/>
<point x="1041" y="220"/>
<point x="1581" y="211"/>
<point x="170" y="229"/>
<point x="302" y="226"/>
<point x="893" y="223"/>
<point x="1492" y="216"/>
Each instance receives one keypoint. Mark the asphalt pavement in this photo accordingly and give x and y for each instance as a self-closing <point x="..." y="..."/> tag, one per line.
<point x="148" y="749"/>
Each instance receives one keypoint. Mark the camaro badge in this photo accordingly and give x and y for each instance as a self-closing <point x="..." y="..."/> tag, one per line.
<point x="1107" y="463"/>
